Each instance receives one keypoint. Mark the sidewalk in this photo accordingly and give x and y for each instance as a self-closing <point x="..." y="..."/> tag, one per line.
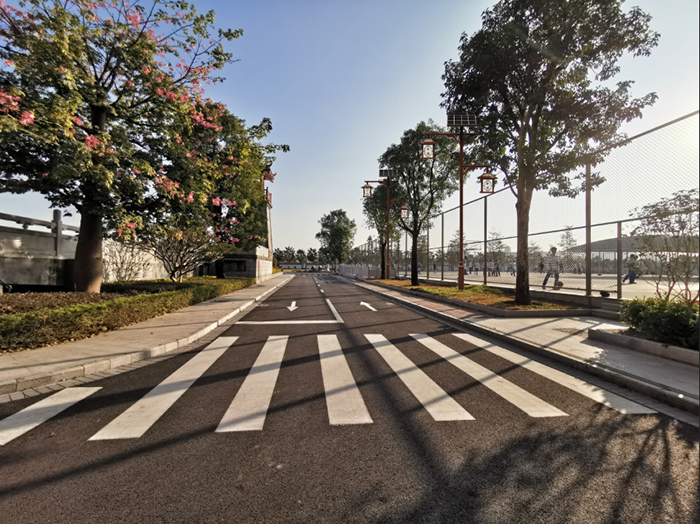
<point x="565" y="339"/>
<point x="44" y="367"/>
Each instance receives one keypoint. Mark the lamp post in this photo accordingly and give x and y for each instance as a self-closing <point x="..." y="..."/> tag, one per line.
<point x="428" y="153"/>
<point x="367" y="193"/>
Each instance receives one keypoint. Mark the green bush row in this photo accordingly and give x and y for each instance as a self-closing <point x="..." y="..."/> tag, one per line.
<point x="666" y="321"/>
<point x="44" y="327"/>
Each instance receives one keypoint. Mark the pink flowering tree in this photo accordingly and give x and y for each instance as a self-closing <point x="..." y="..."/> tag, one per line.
<point x="86" y="90"/>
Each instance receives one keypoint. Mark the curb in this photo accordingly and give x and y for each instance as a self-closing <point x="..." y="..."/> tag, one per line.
<point x="96" y="366"/>
<point x="679" y="354"/>
<point x="670" y="396"/>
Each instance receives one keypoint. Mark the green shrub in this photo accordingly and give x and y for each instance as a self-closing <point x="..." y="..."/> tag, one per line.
<point x="47" y="326"/>
<point x="667" y="321"/>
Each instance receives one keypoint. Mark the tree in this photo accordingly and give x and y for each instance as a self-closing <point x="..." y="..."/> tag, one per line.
<point x="182" y="252"/>
<point x="312" y="255"/>
<point x="337" y="232"/>
<point x="532" y="76"/>
<point x="97" y="85"/>
<point x="535" y="253"/>
<point x="567" y="241"/>
<point x="423" y="184"/>
<point x="289" y="254"/>
<point x="374" y="209"/>
<point x="668" y="234"/>
<point x="301" y="256"/>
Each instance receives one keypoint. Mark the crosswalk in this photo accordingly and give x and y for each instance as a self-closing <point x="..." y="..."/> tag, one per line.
<point x="344" y="401"/>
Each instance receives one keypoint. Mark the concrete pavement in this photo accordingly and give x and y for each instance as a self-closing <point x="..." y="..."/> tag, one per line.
<point x="30" y="372"/>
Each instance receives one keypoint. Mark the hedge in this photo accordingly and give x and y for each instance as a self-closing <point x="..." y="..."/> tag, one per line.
<point x="45" y="326"/>
<point x="666" y="321"/>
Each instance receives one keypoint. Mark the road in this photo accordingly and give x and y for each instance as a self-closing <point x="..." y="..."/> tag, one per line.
<point x="328" y="404"/>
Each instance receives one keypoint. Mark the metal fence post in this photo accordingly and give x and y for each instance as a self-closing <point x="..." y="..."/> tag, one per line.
<point x="442" y="247"/>
<point x="427" y="252"/>
<point x="589" y="269"/>
<point x="58" y="231"/>
<point x="485" y="239"/>
<point x="619" y="260"/>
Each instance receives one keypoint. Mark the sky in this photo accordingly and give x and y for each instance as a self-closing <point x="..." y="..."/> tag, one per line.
<point x="342" y="80"/>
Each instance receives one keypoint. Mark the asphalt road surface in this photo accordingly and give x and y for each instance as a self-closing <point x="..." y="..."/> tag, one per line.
<point x="328" y="404"/>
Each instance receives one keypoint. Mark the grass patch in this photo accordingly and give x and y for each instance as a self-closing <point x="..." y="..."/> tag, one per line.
<point x="483" y="295"/>
<point x="58" y="319"/>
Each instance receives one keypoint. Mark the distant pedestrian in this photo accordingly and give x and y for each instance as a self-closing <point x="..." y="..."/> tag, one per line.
<point x="631" y="264"/>
<point x="541" y="265"/>
<point x="552" y="266"/>
<point x="497" y="270"/>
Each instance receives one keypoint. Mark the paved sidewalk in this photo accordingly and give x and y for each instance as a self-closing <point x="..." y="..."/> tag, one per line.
<point x="44" y="367"/>
<point x="565" y="339"/>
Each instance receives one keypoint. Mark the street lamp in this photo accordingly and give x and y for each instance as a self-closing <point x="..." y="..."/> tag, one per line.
<point x="488" y="181"/>
<point x="367" y="193"/>
<point x="427" y="153"/>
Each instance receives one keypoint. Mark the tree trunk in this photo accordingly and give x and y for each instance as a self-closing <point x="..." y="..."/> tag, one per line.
<point x="382" y="251"/>
<point x="414" y="257"/>
<point x="522" y="279"/>
<point x="87" y="271"/>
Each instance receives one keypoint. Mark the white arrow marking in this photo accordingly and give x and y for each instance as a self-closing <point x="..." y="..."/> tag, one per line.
<point x="293" y="306"/>
<point x="367" y="306"/>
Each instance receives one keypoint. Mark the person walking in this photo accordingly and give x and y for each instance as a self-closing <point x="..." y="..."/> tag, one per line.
<point x="631" y="265"/>
<point x="552" y="266"/>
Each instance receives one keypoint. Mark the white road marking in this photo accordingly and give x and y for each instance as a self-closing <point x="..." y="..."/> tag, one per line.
<point x="606" y="398"/>
<point x="335" y="312"/>
<point x="343" y="399"/>
<point x="367" y="306"/>
<point x="293" y="306"/>
<point x="338" y="319"/>
<point x="30" y="417"/>
<point x="249" y="408"/>
<point x="136" y="420"/>
<point x="435" y="400"/>
<point x="529" y="403"/>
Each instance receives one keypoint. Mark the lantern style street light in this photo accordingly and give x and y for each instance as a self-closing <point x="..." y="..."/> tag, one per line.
<point x="367" y="193"/>
<point x="488" y="182"/>
<point x="428" y="153"/>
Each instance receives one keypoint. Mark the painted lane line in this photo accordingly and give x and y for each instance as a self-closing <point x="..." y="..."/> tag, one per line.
<point x="293" y="306"/>
<point x="282" y="322"/>
<point x="136" y="420"/>
<point x="367" y="306"/>
<point x="30" y="417"/>
<point x="581" y="387"/>
<point x="249" y="408"/>
<point x="322" y="291"/>
<point x="435" y="400"/>
<point x="529" y="403"/>
<point x="335" y="312"/>
<point x="343" y="399"/>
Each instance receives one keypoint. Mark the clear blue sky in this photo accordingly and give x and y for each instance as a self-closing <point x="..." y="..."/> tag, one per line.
<point x="342" y="79"/>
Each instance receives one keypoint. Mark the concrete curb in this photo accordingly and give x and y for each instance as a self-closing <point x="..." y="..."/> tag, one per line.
<point x="670" y="396"/>
<point x="679" y="354"/>
<point x="506" y="313"/>
<point x="96" y="366"/>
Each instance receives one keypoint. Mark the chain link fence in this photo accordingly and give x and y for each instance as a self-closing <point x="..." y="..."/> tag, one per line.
<point x="638" y="172"/>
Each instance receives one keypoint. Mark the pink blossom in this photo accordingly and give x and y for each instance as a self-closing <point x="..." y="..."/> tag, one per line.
<point x="9" y="63"/>
<point x="77" y="121"/>
<point x="91" y="141"/>
<point x="188" y="155"/>
<point x="130" y="225"/>
<point x="26" y="118"/>
<point x="62" y="69"/>
<point x="146" y="70"/>
<point x="45" y="174"/>
<point x="137" y="171"/>
<point x="120" y="231"/>
<point x="216" y="201"/>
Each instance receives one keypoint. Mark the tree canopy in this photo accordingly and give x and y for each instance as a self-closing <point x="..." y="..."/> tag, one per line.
<point x="101" y="108"/>
<point x="335" y="236"/>
<point x="538" y="76"/>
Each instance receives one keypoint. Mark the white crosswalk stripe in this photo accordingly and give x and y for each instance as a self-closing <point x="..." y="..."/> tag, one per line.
<point x="581" y="387"/>
<point x="30" y="417"/>
<point x="529" y="403"/>
<point x="343" y="398"/>
<point x="435" y="400"/>
<point x="249" y="408"/>
<point x="136" y="420"/>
